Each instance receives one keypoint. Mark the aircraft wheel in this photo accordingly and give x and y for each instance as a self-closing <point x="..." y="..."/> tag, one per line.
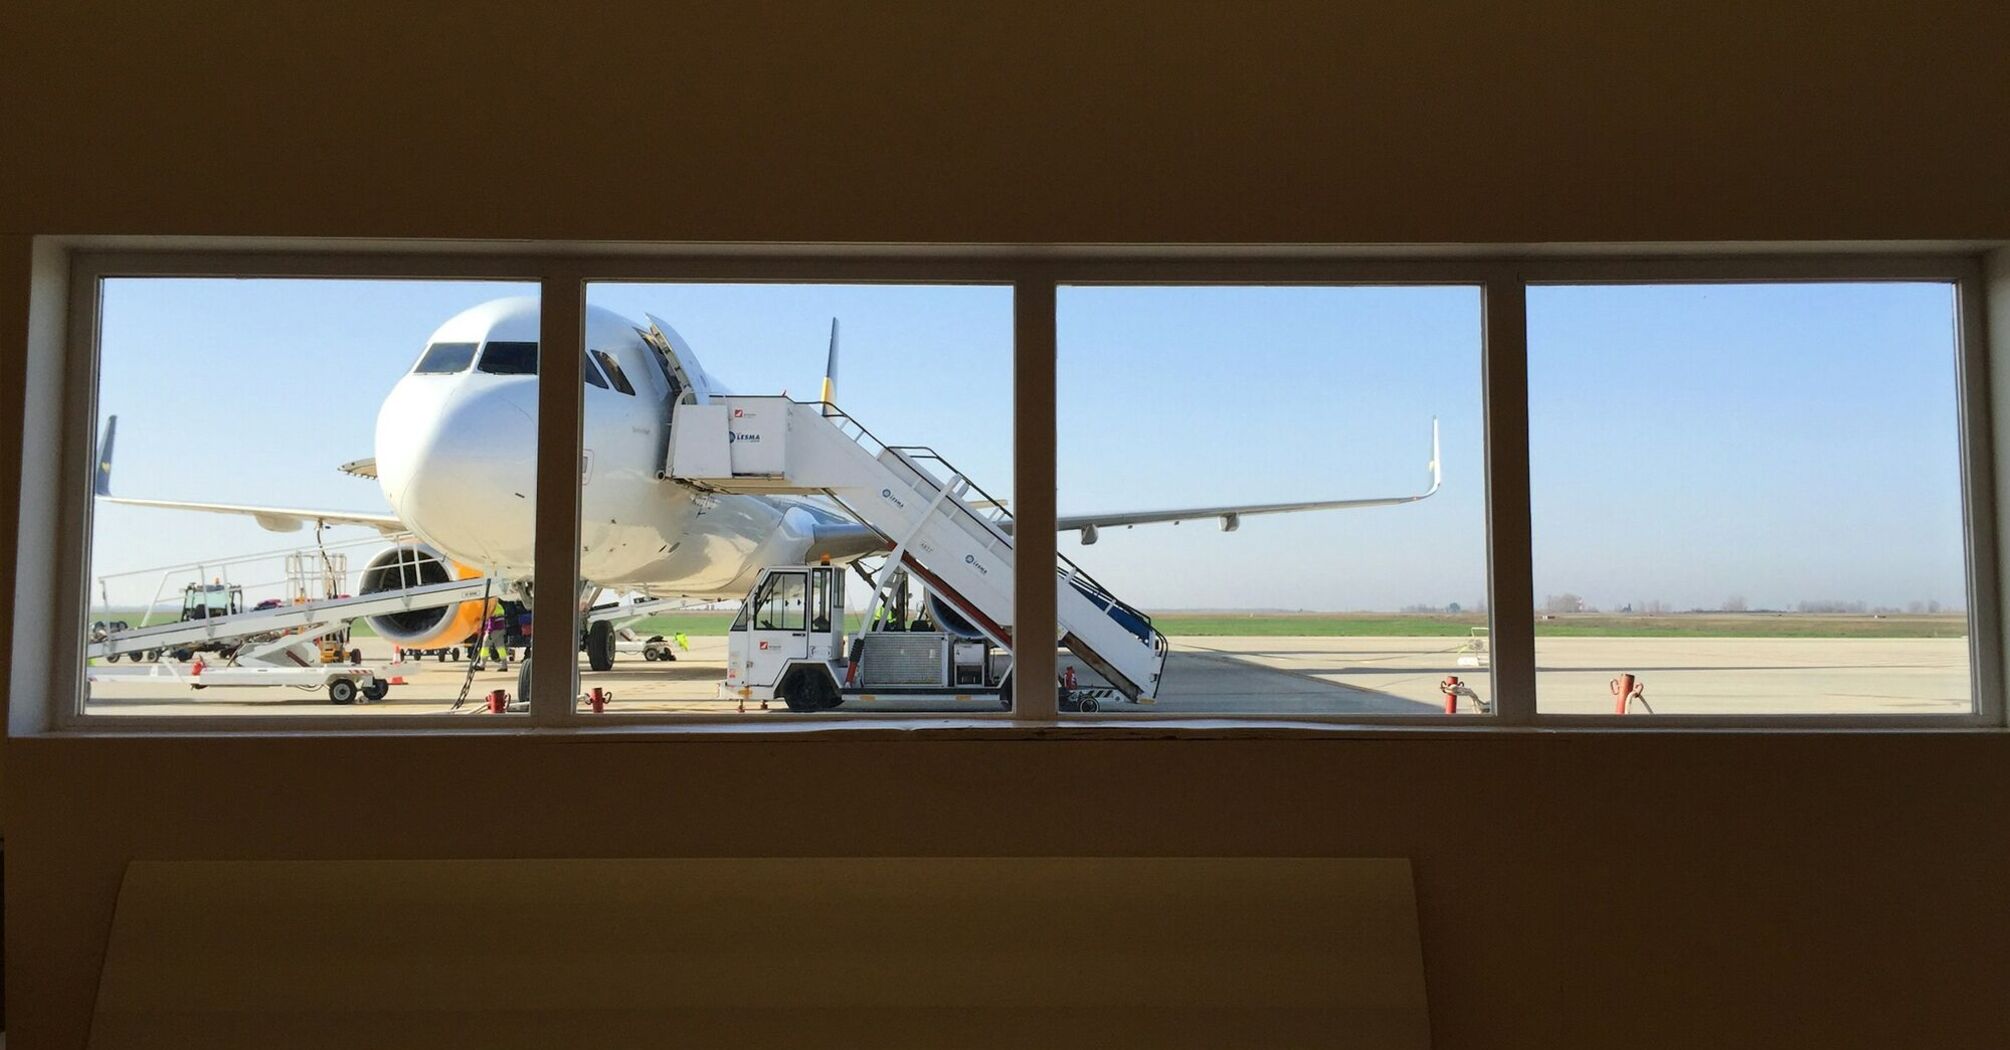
<point x="600" y="646"/>
<point x="342" y="691"/>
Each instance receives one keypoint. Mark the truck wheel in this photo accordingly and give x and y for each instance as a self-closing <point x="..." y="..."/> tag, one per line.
<point x="1005" y="693"/>
<point x="1089" y="704"/>
<point x="806" y="689"/>
<point x="184" y="655"/>
<point x="342" y="691"/>
<point x="600" y="646"/>
<point x="377" y="690"/>
<point x="523" y="680"/>
<point x="112" y="657"/>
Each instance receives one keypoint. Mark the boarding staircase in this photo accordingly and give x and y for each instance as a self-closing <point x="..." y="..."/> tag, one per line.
<point x="943" y="528"/>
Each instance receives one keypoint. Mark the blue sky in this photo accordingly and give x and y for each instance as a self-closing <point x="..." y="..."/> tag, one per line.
<point x="1779" y="442"/>
<point x="1783" y="443"/>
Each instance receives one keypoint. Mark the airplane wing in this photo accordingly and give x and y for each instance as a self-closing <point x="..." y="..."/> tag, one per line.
<point x="1231" y="515"/>
<point x="275" y="519"/>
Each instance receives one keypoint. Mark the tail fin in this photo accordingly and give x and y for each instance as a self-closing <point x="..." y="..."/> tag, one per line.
<point x="831" y="364"/>
<point x="101" y="484"/>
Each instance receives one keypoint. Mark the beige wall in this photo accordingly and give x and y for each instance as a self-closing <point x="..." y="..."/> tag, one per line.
<point x="1384" y="121"/>
<point x="1576" y="890"/>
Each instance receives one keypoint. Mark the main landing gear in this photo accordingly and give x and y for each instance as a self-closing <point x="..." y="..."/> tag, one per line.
<point x="600" y="646"/>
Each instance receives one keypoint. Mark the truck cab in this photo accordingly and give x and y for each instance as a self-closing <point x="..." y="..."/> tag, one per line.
<point x="789" y="642"/>
<point x="201" y="601"/>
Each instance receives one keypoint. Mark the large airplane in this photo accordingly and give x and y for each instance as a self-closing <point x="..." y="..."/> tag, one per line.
<point x="456" y="459"/>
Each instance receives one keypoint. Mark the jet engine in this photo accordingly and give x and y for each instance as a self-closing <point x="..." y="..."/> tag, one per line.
<point x="414" y="565"/>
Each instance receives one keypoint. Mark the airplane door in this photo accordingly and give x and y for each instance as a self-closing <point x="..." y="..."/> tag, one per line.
<point x="687" y="382"/>
<point x="779" y="631"/>
<point x="826" y="611"/>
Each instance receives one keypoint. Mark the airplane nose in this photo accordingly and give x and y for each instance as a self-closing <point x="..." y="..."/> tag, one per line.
<point x="460" y="467"/>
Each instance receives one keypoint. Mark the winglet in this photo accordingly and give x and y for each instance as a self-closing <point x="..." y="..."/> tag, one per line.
<point x="831" y="364"/>
<point x="101" y="484"/>
<point x="1437" y="464"/>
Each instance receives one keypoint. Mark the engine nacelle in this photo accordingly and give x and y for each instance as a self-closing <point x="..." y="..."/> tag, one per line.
<point x="414" y="565"/>
<point x="948" y="619"/>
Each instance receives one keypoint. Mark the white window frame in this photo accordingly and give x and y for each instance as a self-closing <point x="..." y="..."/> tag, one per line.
<point x="52" y="583"/>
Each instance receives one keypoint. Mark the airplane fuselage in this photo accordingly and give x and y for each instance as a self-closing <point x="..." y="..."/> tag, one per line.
<point x="456" y="457"/>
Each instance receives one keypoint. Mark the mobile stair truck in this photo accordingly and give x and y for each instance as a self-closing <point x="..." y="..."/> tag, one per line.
<point x="789" y="641"/>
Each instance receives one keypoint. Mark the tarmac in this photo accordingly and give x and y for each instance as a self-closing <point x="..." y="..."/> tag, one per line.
<point x="1253" y="676"/>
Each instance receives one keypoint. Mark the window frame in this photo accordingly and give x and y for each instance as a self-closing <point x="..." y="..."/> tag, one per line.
<point x="63" y="360"/>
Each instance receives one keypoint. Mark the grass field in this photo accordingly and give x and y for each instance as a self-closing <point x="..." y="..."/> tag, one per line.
<point x="1387" y="625"/>
<point x="1576" y="625"/>
<point x="1391" y="625"/>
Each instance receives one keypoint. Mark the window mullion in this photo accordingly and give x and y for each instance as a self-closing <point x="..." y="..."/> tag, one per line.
<point x="554" y="642"/>
<point x="1510" y="558"/>
<point x="1034" y="629"/>
<point x="1985" y="398"/>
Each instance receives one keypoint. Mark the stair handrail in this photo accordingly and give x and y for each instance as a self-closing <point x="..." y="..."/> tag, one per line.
<point x="1071" y="571"/>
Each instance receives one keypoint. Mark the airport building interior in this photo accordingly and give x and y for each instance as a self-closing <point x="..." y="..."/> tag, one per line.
<point x="1588" y="627"/>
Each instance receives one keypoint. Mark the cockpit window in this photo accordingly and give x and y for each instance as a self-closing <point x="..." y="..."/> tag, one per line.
<point x="509" y="359"/>
<point x="614" y="372"/>
<point x="445" y="359"/>
<point x="589" y="373"/>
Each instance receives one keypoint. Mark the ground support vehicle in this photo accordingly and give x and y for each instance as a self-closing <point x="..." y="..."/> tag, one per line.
<point x="789" y="643"/>
<point x="344" y="683"/>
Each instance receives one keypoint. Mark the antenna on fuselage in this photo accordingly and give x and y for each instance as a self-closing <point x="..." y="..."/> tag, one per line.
<point x="831" y="364"/>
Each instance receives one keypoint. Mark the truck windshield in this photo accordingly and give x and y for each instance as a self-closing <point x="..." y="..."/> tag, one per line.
<point x="442" y="359"/>
<point x="781" y="604"/>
